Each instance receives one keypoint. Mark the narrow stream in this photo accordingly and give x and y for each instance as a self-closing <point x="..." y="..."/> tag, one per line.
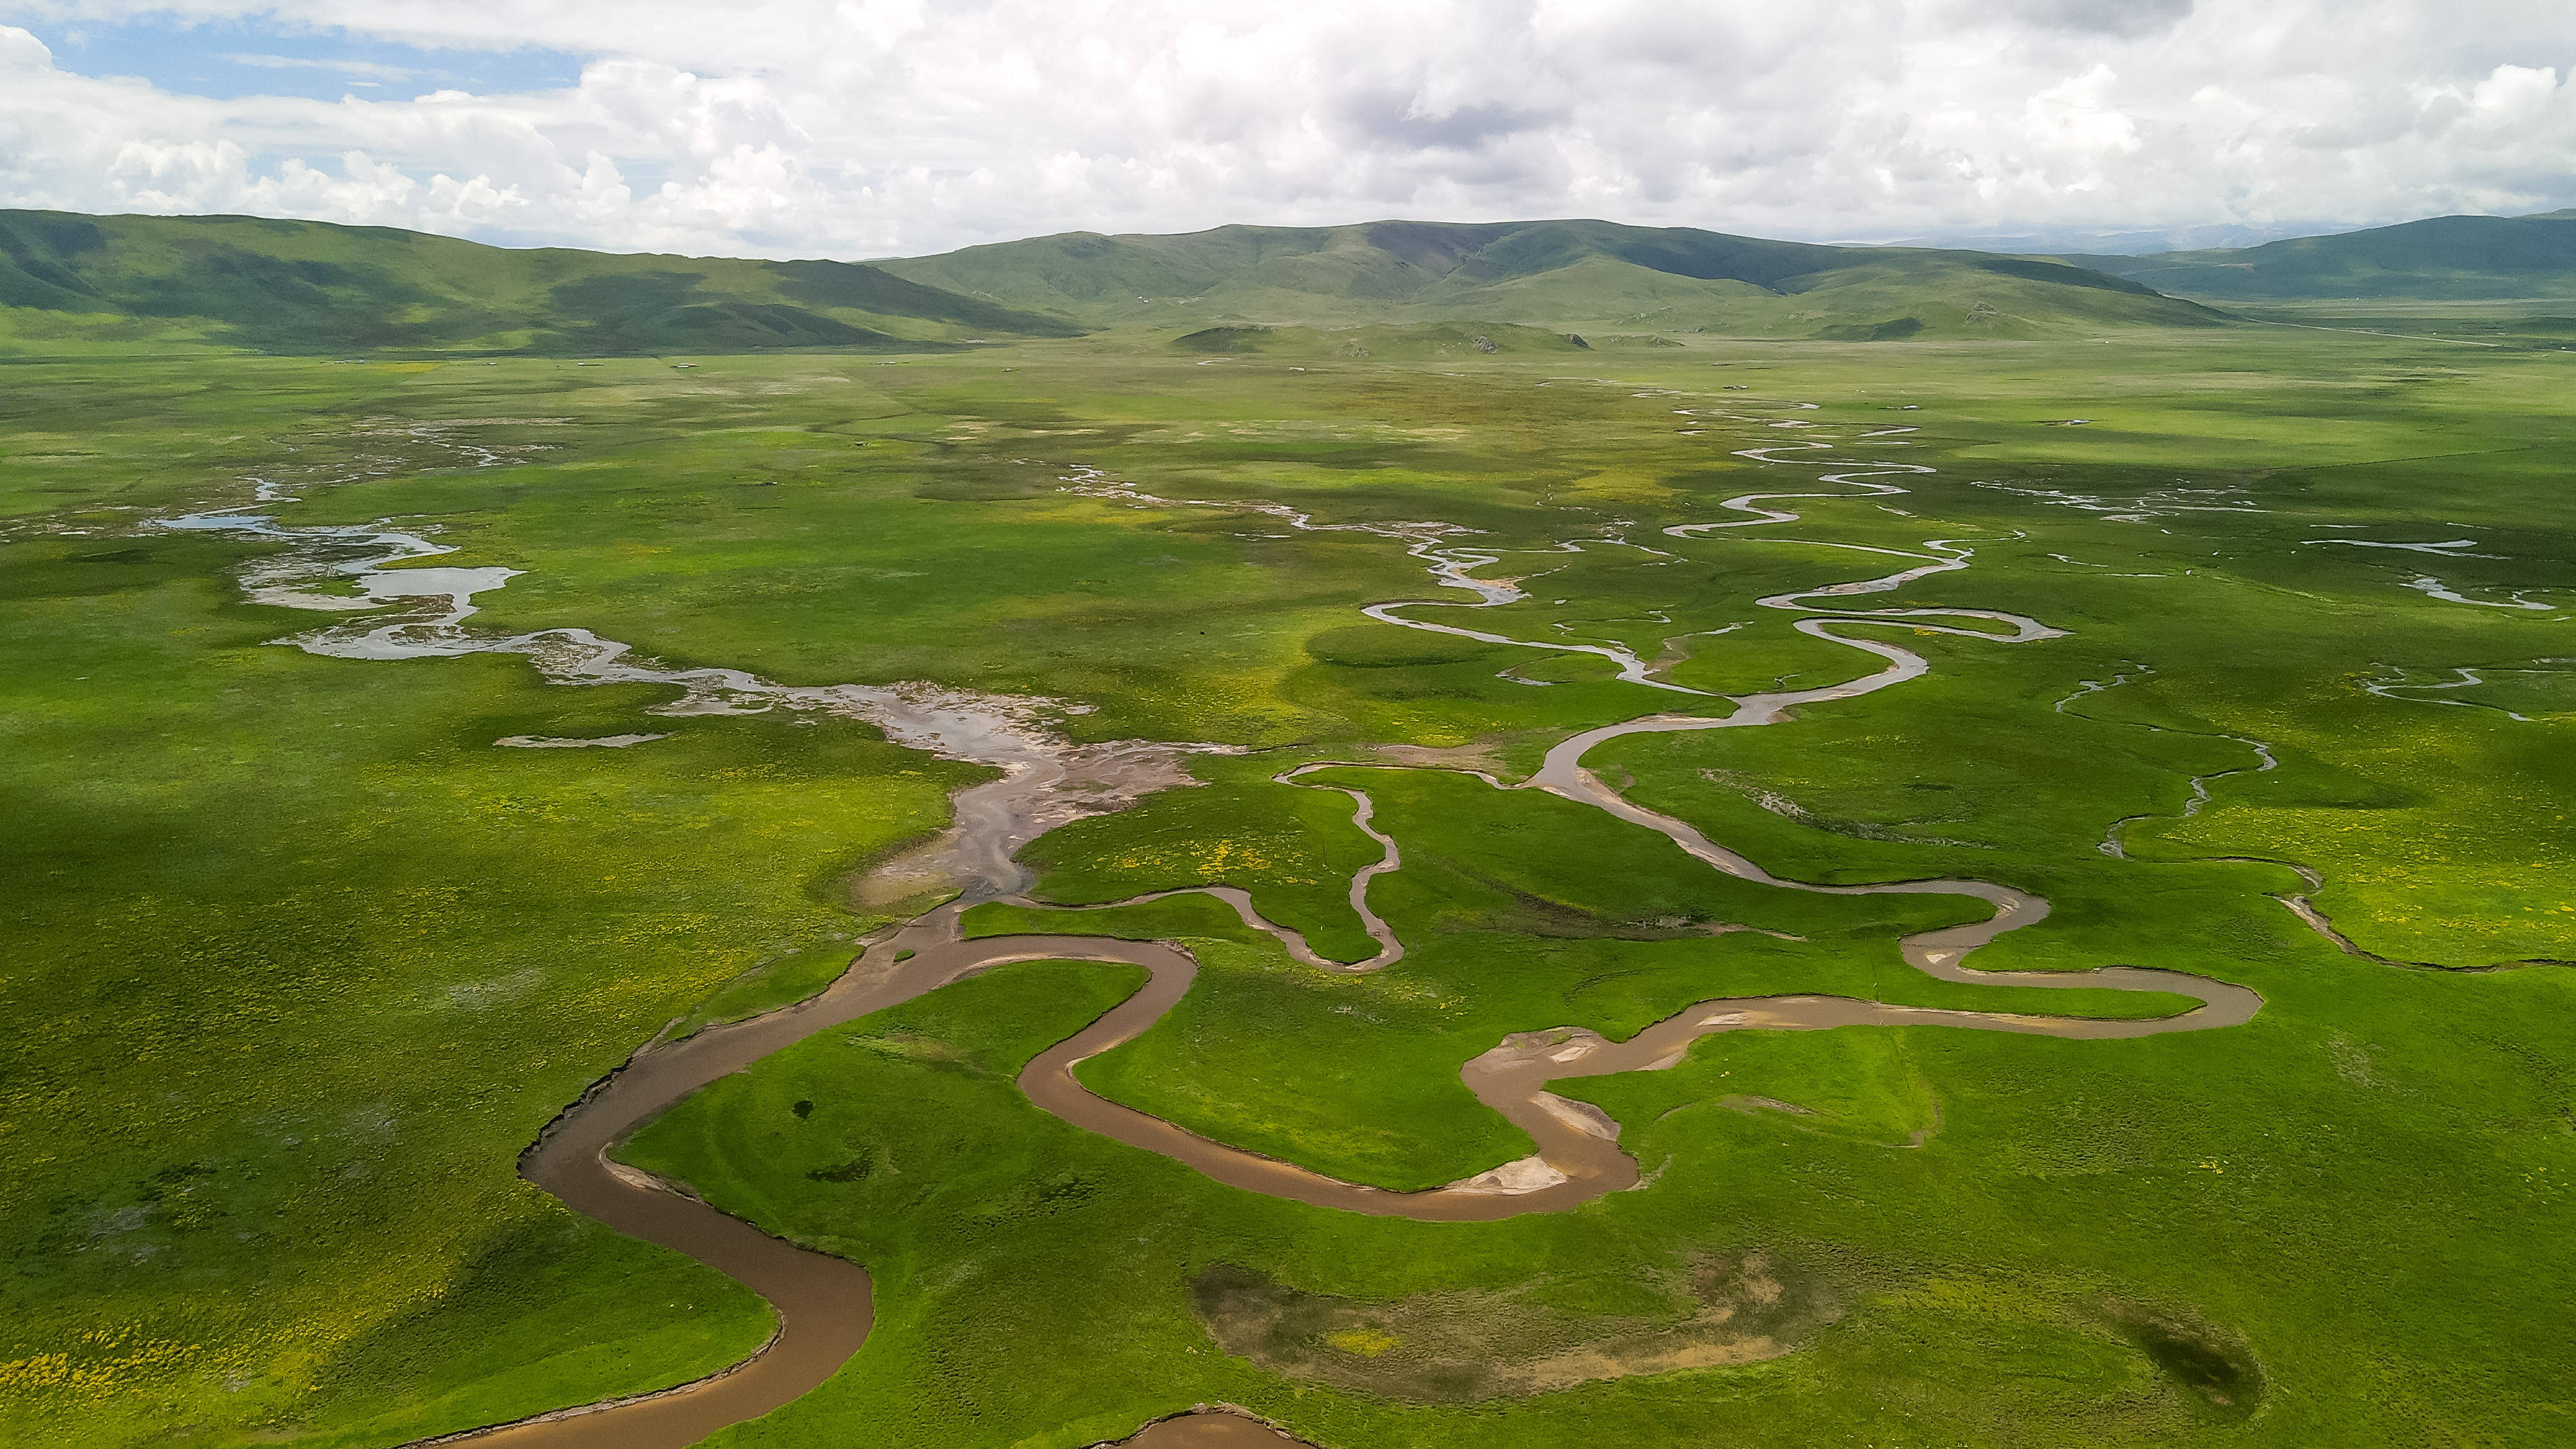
<point x="823" y="1302"/>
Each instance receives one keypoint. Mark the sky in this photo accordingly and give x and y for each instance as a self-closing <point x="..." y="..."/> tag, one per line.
<point x="858" y="128"/>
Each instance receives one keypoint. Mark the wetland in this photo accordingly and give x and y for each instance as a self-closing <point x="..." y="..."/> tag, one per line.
<point x="1061" y="896"/>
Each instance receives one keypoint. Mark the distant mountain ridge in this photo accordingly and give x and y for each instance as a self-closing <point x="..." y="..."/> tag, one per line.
<point x="317" y="288"/>
<point x="2069" y="242"/>
<point x="304" y="286"/>
<point x="2442" y="258"/>
<point x="1546" y="273"/>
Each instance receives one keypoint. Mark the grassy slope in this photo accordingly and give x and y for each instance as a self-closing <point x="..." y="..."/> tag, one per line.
<point x="2349" y="1185"/>
<point x="311" y="287"/>
<point x="1547" y="273"/>
<point x="2448" y="258"/>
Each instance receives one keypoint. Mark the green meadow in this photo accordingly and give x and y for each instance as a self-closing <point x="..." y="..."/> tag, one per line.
<point x="300" y="962"/>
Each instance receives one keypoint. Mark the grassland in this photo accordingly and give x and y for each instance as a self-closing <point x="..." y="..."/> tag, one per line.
<point x="303" y="962"/>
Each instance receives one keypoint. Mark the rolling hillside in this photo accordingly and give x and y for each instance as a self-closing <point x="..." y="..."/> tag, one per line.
<point x="69" y="281"/>
<point x="1553" y="274"/>
<point x="2445" y="258"/>
<point x="300" y="286"/>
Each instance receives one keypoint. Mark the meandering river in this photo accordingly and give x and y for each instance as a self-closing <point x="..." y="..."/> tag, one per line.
<point x="822" y="1302"/>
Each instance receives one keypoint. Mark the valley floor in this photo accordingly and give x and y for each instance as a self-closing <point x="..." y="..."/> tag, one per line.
<point x="1509" y="749"/>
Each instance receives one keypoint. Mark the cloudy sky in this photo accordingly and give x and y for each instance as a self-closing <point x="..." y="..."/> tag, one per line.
<point x="855" y="128"/>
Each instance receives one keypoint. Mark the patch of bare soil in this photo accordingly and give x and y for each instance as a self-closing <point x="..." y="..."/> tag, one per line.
<point x="1536" y="915"/>
<point x="1454" y="1347"/>
<point x="2212" y="1365"/>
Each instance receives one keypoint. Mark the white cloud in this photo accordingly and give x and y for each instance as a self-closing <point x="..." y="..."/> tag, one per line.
<point x="317" y="62"/>
<point x="868" y="127"/>
<point x="21" y="51"/>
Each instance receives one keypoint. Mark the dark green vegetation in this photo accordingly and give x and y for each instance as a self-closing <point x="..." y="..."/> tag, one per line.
<point x="2442" y="258"/>
<point x="68" y="282"/>
<point x="1548" y="273"/>
<point x="299" y="962"/>
<point x="1414" y="343"/>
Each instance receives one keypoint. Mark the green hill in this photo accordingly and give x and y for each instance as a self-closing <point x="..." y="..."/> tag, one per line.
<point x="312" y="287"/>
<point x="1549" y="274"/>
<point x="302" y="286"/>
<point x="2445" y="258"/>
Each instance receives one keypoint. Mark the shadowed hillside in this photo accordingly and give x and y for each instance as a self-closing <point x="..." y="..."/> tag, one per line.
<point x="1549" y="274"/>
<point x="2445" y="258"/>
<point x="301" y="286"/>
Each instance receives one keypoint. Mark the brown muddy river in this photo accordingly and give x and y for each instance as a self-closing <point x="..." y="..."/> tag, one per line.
<point x="822" y="1302"/>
